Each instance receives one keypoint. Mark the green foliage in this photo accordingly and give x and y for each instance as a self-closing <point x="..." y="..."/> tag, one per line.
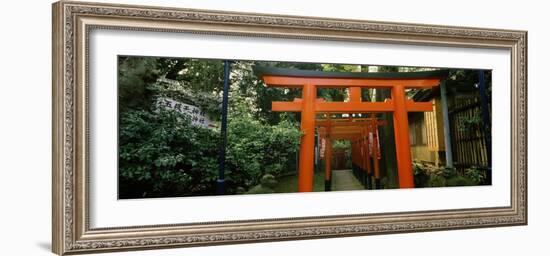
<point x="448" y="172"/>
<point x="267" y="185"/>
<point x="255" y="149"/>
<point x="162" y="154"/>
<point x="436" y="181"/>
<point x="289" y="183"/>
<point x="252" y="90"/>
<point x="341" y="144"/>
<point x="460" y="181"/>
<point x="296" y="65"/>
<point x="467" y="80"/>
<point x="420" y="175"/>
<point x="476" y="174"/>
<point x="469" y="124"/>
<point x="332" y="94"/>
<point x="343" y="68"/>
<point x="137" y="79"/>
<point x="430" y="176"/>
<point x="203" y="75"/>
<point x="134" y="75"/>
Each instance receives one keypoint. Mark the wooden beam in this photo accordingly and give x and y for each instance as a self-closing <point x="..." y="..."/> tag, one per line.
<point x="346" y="132"/>
<point x="334" y="107"/>
<point x="333" y="123"/>
<point x="286" y="106"/>
<point x="342" y="127"/>
<point x="298" y="82"/>
<point x="413" y="106"/>
<point x="345" y="137"/>
<point x="338" y="133"/>
<point x="354" y="107"/>
<point x="350" y="107"/>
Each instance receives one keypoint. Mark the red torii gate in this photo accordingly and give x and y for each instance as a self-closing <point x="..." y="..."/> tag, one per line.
<point x="357" y="131"/>
<point x="309" y="106"/>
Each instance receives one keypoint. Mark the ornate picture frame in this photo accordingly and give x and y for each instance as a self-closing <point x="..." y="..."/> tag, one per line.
<point x="72" y="23"/>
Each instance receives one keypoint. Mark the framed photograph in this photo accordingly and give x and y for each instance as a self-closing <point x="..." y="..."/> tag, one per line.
<point x="179" y="127"/>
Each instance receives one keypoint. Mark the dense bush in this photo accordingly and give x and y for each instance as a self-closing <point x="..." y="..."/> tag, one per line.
<point x="420" y="175"/>
<point x="431" y="176"/>
<point x="255" y="149"/>
<point x="476" y="174"/>
<point x="460" y="180"/>
<point x="162" y="154"/>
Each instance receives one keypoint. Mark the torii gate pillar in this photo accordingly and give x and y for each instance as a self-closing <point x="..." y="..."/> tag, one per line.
<point x="401" y="131"/>
<point x="328" y="163"/>
<point x="307" y="142"/>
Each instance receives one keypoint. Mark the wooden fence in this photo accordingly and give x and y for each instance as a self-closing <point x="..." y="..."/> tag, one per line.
<point x="467" y="133"/>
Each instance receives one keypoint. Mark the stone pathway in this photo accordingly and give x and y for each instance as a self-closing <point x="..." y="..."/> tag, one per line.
<point x="344" y="180"/>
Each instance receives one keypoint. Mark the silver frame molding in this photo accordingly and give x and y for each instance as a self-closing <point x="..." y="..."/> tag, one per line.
<point x="72" y="22"/>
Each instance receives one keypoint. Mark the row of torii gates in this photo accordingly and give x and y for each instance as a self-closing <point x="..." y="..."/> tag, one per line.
<point x="365" y="151"/>
<point x="361" y="131"/>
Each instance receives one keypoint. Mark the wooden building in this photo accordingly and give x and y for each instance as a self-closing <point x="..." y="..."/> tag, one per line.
<point x="469" y="139"/>
<point x="426" y="135"/>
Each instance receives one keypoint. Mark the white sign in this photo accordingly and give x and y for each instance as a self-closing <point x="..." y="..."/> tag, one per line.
<point x="197" y="116"/>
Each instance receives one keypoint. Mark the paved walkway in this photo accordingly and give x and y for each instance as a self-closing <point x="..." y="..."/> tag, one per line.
<point x="344" y="180"/>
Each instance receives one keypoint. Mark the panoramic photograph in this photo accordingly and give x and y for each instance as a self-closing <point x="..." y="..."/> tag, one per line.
<point x="208" y="127"/>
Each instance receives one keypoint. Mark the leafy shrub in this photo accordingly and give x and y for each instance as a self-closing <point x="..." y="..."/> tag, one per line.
<point x="460" y="181"/>
<point x="420" y="175"/>
<point x="448" y="172"/>
<point x="267" y="185"/>
<point x="162" y="154"/>
<point x="255" y="149"/>
<point x="476" y="174"/>
<point x="436" y="181"/>
<point x="431" y="176"/>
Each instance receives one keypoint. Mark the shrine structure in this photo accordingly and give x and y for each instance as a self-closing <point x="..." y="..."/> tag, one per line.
<point x="310" y="106"/>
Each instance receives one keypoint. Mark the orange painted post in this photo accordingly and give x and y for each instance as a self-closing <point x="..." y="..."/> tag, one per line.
<point x="307" y="142"/>
<point x="352" y="156"/>
<point x="363" y="159"/>
<point x="375" y="154"/>
<point x="355" y="150"/>
<point x="357" y="142"/>
<point x="328" y="162"/>
<point x="354" y="98"/>
<point x="402" y="144"/>
<point x="354" y="94"/>
<point x="367" y="157"/>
